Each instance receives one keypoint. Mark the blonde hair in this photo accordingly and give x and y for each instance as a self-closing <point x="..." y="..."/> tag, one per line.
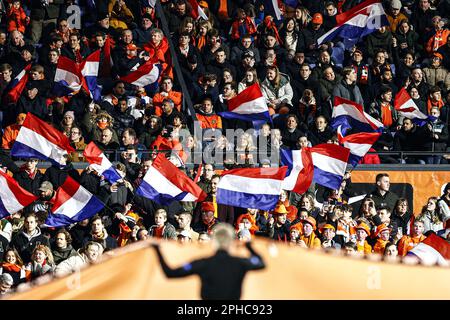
<point x="46" y="250"/>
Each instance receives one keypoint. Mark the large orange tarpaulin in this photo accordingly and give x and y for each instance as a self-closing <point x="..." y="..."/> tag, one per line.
<point x="425" y="184"/>
<point x="291" y="273"/>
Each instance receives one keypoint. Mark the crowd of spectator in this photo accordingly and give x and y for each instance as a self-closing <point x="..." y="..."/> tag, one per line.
<point x="240" y="44"/>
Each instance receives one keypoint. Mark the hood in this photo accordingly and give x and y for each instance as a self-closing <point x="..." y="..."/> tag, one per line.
<point x="36" y="233"/>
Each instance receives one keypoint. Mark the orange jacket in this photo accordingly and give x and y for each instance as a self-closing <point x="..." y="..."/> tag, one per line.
<point x="366" y="248"/>
<point x="437" y="40"/>
<point x="175" y="96"/>
<point x="17" y="20"/>
<point x="407" y="243"/>
<point x="379" y="246"/>
<point x="212" y="121"/>
<point x="10" y="135"/>
<point x="161" y="53"/>
<point x="312" y="241"/>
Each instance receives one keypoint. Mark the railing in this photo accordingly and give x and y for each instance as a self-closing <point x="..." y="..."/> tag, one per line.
<point x="115" y="155"/>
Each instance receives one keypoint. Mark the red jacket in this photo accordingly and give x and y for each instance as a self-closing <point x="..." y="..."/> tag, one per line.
<point x="249" y="25"/>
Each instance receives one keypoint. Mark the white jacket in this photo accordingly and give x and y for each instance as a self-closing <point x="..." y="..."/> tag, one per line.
<point x="71" y="265"/>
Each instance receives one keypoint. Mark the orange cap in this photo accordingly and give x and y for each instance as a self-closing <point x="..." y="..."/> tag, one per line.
<point x="311" y="221"/>
<point x="317" y="18"/>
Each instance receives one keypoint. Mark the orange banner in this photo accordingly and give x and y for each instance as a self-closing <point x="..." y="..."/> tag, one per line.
<point x="291" y="273"/>
<point x="424" y="184"/>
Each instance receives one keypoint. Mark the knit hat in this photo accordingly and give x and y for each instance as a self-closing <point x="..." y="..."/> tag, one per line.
<point x="208" y="206"/>
<point x="46" y="186"/>
<point x="396" y="4"/>
<point x="69" y="114"/>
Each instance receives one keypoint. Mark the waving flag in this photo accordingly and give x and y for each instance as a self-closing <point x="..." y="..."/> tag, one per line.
<point x="197" y="11"/>
<point x="100" y="163"/>
<point x="146" y="74"/>
<point x="330" y="163"/>
<point x="37" y="139"/>
<point x="356" y="23"/>
<point x="432" y="250"/>
<point x="257" y="188"/>
<point x="274" y="8"/>
<point x="89" y="70"/>
<point x="12" y="196"/>
<point x="407" y="108"/>
<point x="249" y="105"/>
<point x="17" y="85"/>
<point x="300" y="169"/>
<point x="68" y="78"/>
<point x="72" y="203"/>
<point x="348" y="114"/>
<point x="164" y="183"/>
<point x="358" y="143"/>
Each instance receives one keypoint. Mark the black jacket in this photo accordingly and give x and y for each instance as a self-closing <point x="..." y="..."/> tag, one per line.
<point x="217" y="282"/>
<point x="37" y="106"/>
<point x="31" y="185"/>
<point x="57" y="176"/>
<point x="307" y="38"/>
<point x="389" y="199"/>
<point x="39" y="12"/>
<point x="25" y="245"/>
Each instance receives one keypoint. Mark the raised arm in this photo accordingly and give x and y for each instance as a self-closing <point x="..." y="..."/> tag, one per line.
<point x="185" y="270"/>
<point x="255" y="262"/>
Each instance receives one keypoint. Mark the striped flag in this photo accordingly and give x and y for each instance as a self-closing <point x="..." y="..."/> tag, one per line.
<point x="12" y="196"/>
<point x="358" y="143"/>
<point x="165" y="183"/>
<point x="37" y="139"/>
<point x="249" y="105"/>
<point x="300" y="169"/>
<point x="17" y="85"/>
<point x="330" y="163"/>
<point x="258" y="188"/>
<point x="348" y="114"/>
<point x="356" y="23"/>
<point x="72" y="203"/>
<point x="407" y="108"/>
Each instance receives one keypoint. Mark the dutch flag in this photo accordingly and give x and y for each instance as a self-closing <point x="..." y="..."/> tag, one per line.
<point x="12" y="196"/>
<point x="100" y="163"/>
<point x="37" y="139"/>
<point x="164" y="183"/>
<point x="72" y="203"/>
<point x="330" y="163"/>
<point x="249" y="105"/>
<point x="350" y="115"/>
<point x="257" y="188"/>
<point x="356" y="23"/>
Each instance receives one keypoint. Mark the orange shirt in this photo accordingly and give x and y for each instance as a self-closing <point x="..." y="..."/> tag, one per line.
<point x="212" y="121"/>
<point x="175" y="96"/>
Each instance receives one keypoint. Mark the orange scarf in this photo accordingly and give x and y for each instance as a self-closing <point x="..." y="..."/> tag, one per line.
<point x="223" y="10"/>
<point x="386" y="114"/>
<point x="431" y="104"/>
<point x="201" y="42"/>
